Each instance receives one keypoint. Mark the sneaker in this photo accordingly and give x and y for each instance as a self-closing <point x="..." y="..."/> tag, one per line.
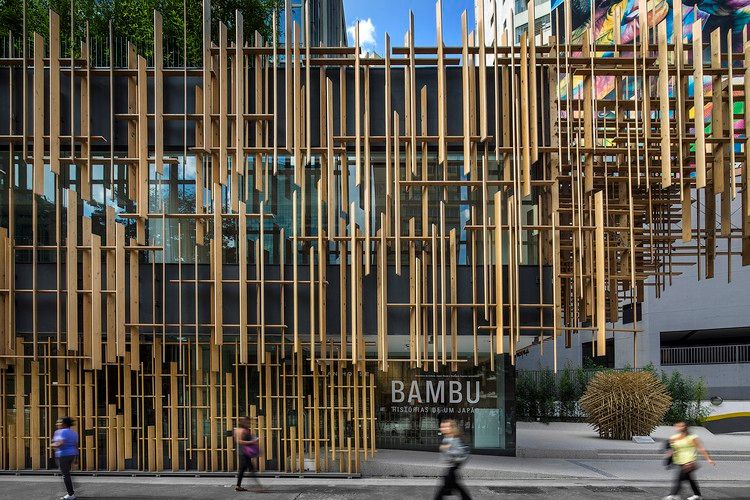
<point x="671" y="497"/>
<point x="694" y="497"/>
<point x="69" y="497"/>
<point x="239" y="488"/>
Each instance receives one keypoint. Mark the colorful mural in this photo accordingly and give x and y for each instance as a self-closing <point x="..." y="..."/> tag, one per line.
<point x="729" y="14"/>
<point x="724" y="15"/>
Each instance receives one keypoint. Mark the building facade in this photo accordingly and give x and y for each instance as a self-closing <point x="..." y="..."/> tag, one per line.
<point x="510" y="18"/>
<point x="346" y="249"/>
<point x="327" y="21"/>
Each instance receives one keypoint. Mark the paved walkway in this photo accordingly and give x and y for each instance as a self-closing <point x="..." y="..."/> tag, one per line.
<point x="632" y="471"/>
<point x="572" y="451"/>
<point x="120" y="488"/>
<point x="398" y="463"/>
<point x="580" y="440"/>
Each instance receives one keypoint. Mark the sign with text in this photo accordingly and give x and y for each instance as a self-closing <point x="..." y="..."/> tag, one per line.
<point x="412" y="402"/>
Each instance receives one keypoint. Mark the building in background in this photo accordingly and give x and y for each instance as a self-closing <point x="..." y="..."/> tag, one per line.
<point x="696" y="326"/>
<point x="327" y="22"/>
<point x="513" y="15"/>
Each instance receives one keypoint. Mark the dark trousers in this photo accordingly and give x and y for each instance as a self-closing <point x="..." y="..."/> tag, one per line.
<point x="65" y="463"/>
<point x="451" y="484"/>
<point x="245" y="465"/>
<point x="685" y="474"/>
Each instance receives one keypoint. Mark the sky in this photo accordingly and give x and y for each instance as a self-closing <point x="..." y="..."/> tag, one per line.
<point x="392" y="16"/>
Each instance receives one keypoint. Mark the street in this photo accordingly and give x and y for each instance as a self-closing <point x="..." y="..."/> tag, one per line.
<point x="190" y="487"/>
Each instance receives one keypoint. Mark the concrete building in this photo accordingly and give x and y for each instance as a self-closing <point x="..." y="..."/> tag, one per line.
<point x="697" y="326"/>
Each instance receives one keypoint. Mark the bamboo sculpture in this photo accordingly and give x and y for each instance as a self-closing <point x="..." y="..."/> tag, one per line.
<point x="621" y="405"/>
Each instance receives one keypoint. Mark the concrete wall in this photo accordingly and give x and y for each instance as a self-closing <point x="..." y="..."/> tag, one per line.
<point x="689" y="304"/>
<point x="730" y="381"/>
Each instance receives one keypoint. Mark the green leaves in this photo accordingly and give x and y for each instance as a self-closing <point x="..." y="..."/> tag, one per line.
<point x="134" y="20"/>
<point x="687" y="396"/>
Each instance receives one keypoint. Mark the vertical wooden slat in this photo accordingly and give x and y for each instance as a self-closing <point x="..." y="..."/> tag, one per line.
<point x="158" y="94"/>
<point x="34" y="448"/>
<point x="666" y="160"/>
<point x="242" y="294"/>
<point x="441" y="84"/>
<point x="120" y="285"/>
<point x="71" y="259"/>
<point x="142" y="176"/>
<point x="38" y="114"/>
<point x="54" y="91"/>
<point x="601" y="318"/>
<point x="499" y="296"/>
<point x="482" y="42"/>
<point x="524" y="118"/>
<point x="239" y="94"/>
<point x="465" y="89"/>
<point x="223" y="104"/>
<point x="174" y="437"/>
<point x="96" y="303"/>
<point x="217" y="246"/>
<point x="700" y="133"/>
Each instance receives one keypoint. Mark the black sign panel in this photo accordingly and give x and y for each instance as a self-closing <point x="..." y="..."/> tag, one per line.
<point x="411" y="403"/>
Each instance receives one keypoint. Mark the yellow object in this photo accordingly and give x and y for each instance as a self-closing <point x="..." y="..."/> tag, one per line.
<point x="684" y="448"/>
<point x="722" y="416"/>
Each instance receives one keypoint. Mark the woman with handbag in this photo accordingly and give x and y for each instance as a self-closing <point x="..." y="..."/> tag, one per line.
<point x="247" y="449"/>
<point x="684" y="448"/>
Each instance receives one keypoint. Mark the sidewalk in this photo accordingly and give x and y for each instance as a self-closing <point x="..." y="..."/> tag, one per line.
<point x="572" y="451"/>
<point x="580" y="440"/>
<point x="398" y="463"/>
<point x="122" y="488"/>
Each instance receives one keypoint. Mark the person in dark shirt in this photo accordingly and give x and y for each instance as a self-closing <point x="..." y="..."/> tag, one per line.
<point x="247" y="450"/>
<point x="455" y="453"/>
<point x="65" y="443"/>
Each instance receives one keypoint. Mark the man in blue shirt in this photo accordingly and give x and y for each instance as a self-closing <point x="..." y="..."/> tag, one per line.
<point x="65" y="443"/>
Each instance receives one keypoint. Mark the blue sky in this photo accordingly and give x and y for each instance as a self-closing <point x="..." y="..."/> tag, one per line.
<point x="392" y="16"/>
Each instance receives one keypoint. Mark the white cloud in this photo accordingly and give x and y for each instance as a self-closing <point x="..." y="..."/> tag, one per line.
<point x="366" y="34"/>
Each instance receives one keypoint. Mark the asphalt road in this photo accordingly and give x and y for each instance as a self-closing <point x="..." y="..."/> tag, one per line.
<point x="119" y="488"/>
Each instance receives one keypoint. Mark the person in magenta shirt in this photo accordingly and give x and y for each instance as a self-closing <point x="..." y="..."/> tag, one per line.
<point x="65" y="443"/>
<point x="247" y="449"/>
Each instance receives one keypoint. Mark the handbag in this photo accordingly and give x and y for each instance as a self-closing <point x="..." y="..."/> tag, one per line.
<point x="251" y="450"/>
<point x="668" y="462"/>
<point x="690" y="467"/>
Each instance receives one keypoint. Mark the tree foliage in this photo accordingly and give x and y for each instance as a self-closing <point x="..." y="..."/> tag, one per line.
<point x="688" y="394"/>
<point x="134" y="20"/>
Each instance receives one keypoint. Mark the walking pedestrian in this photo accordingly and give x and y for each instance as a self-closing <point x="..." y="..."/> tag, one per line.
<point x="247" y="449"/>
<point x="683" y="449"/>
<point x="65" y="443"/>
<point x="455" y="454"/>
